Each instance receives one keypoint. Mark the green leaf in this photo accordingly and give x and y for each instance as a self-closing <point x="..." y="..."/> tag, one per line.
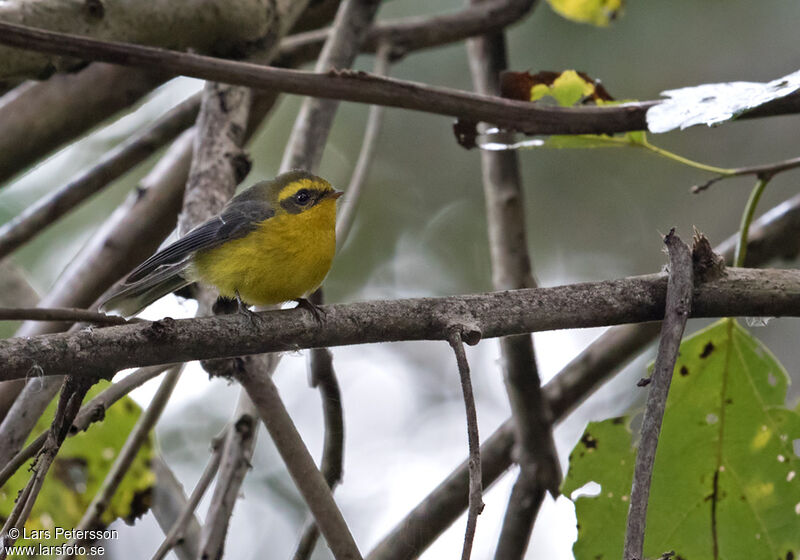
<point x="79" y="469"/>
<point x="713" y="104"/>
<point x="725" y="477"/>
<point x="595" y="12"/>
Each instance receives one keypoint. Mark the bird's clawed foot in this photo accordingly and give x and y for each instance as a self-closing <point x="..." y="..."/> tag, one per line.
<point x="245" y="310"/>
<point x="313" y="308"/>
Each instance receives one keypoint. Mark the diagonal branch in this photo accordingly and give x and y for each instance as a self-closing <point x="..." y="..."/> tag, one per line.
<point x="235" y="459"/>
<point x="169" y="500"/>
<point x="348" y="207"/>
<point x="118" y="161"/>
<point x="180" y="527"/>
<point x="315" y="119"/>
<point x="300" y="464"/>
<point x="678" y="306"/>
<point x="37" y="118"/>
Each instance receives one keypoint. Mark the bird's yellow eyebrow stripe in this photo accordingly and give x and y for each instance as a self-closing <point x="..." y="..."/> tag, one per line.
<point x="292" y="188"/>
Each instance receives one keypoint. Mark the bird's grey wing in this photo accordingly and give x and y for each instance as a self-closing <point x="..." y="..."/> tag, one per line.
<point x="238" y="219"/>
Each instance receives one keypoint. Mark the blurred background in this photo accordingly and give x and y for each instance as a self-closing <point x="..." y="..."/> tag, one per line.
<point x="421" y="231"/>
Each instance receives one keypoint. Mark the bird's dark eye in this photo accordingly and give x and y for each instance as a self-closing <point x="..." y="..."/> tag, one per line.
<point x="302" y="197"/>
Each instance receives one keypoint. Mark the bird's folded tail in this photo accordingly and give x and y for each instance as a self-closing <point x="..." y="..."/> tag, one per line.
<point x="132" y="297"/>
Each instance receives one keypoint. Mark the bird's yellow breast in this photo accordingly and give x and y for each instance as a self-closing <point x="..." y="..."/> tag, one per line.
<point x="287" y="256"/>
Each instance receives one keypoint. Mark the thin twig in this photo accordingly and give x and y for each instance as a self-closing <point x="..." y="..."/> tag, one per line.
<point x="67" y="314"/>
<point x="124" y="460"/>
<point x="676" y="313"/>
<point x="176" y="533"/>
<point x="300" y="464"/>
<point x="91" y="412"/>
<point x="347" y="214"/>
<point x="455" y="338"/>
<point x="121" y="159"/>
<point x="362" y="87"/>
<point x="764" y="171"/>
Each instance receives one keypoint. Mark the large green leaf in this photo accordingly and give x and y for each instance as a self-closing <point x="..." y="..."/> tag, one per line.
<point x="725" y="483"/>
<point x="79" y="469"/>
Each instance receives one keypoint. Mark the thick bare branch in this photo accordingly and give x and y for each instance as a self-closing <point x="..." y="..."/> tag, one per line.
<point x="678" y="307"/>
<point x="769" y="293"/>
<point x="218" y="163"/>
<point x="121" y="159"/>
<point x="210" y="26"/>
<point x="324" y="378"/>
<point x="366" y="88"/>
<point x="39" y="117"/>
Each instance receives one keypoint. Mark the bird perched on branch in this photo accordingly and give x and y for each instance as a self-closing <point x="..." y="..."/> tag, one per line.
<point x="272" y="243"/>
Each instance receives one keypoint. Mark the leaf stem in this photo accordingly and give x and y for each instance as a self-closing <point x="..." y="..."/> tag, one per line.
<point x="747" y="218"/>
<point x="680" y="159"/>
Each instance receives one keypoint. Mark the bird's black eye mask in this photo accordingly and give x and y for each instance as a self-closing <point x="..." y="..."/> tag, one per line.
<point x="302" y="200"/>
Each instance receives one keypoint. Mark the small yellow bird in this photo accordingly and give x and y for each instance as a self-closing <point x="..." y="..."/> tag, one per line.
<point x="272" y="243"/>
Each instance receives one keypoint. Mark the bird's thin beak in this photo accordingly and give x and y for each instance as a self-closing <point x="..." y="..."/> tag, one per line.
<point x="336" y="194"/>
